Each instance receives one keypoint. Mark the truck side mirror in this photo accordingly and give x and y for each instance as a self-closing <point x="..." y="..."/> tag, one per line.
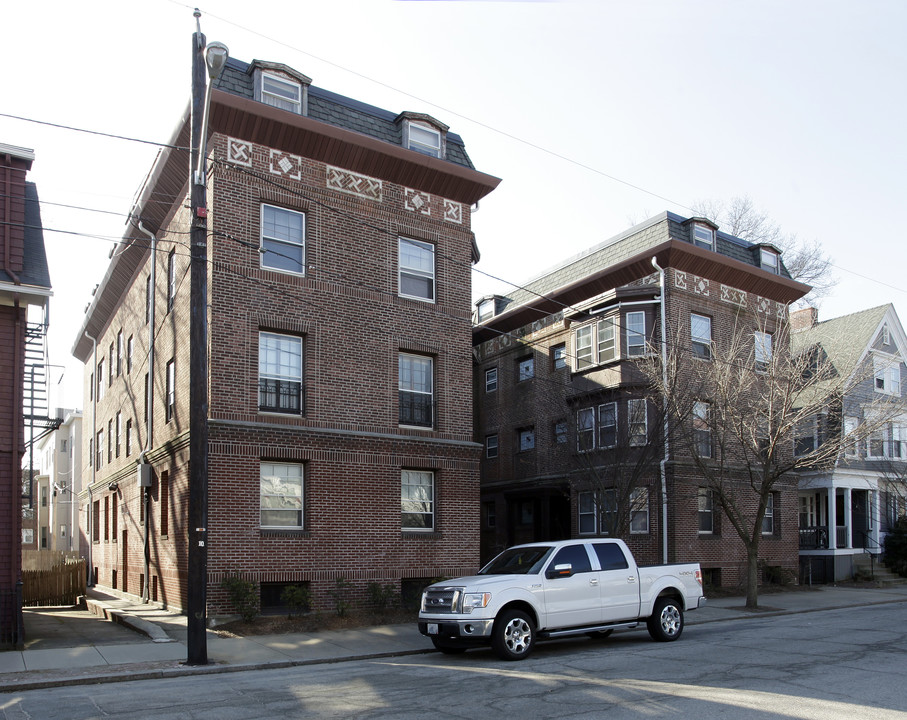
<point x="558" y="571"/>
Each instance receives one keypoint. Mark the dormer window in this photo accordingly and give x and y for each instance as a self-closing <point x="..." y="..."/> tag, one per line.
<point x="703" y="236"/>
<point x="886" y="335"/>
<point x="281" y="93"/>
<point x="424" y="140"/>
<point x="769" y="260"/>
<point x="486" y="309"/>
<point x="280" y="86"/>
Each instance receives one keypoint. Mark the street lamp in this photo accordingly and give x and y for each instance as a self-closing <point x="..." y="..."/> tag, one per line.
<point x="216" y="55"/>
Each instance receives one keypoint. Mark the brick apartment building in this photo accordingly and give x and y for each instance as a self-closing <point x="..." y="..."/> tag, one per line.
<point x="24" y="296"/>
<point x="340" y="405"/>
<point x="572" y="446"/>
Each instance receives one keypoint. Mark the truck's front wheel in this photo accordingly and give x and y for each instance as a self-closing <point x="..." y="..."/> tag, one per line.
<point x="666" y="622"/>
<point x="513" y="635"/>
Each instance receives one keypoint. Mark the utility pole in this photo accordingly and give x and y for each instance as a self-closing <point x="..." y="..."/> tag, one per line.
<point x="210" y="60"/>
<point x="197" y="597"/>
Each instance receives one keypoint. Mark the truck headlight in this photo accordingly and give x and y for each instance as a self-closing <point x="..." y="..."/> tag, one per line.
<point x="471" y="601"/>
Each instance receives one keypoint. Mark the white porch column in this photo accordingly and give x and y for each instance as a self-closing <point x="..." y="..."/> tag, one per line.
<point x="830" y="519"/>
<point x="876" y="515"/>
<point x="848" y="524"/>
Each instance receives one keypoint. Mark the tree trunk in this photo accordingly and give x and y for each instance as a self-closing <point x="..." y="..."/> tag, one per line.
<point x="752" y="577"/>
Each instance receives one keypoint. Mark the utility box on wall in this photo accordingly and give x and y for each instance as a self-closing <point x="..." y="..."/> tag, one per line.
<point x="144" y="475"/>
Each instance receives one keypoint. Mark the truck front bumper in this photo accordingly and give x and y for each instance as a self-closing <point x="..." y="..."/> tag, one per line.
<point x="463" y="629"/>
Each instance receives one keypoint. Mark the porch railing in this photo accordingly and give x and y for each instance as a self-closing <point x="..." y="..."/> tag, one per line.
<point x="814" y="538"/>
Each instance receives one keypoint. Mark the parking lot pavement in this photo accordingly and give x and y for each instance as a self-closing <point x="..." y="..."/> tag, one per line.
<point x="115" y="639"/>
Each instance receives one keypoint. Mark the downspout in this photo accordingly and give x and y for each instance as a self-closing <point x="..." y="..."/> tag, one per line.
<point x="92" y="440"/>
<point x="149" y="418"/>
<point x="664" y="379"/>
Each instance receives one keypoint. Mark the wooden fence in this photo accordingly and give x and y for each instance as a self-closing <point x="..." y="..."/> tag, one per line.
<point x="50" y="580"/>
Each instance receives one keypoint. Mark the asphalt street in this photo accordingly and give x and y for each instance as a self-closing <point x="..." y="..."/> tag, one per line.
<point x="844" y="663"/>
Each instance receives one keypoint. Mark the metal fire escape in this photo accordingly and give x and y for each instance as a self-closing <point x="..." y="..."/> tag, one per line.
<point x="35" y="402"/>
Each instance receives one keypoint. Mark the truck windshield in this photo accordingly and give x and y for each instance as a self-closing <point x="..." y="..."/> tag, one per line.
<point x="518" y="561"/>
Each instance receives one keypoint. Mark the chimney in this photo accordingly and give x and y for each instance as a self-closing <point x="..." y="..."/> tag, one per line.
<point x="804" y="319"/>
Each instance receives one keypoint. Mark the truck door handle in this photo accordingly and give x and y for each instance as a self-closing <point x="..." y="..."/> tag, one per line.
<point x="593" y="581"/>
<point x="631" y="579"/>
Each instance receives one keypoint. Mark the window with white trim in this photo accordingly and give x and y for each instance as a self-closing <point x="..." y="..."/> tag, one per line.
<point x="485" y="311"/>
<point x="585" y="429"/>
<point x="424" y="139"/>
<point x="130" y="349"/>
<point x="768" y="521"/>
<point x="491" y="380"/>
<point x="559" y="357"/>
<point x="702" y="429"/>
<point x="171" y="279"/>
<point x="607" y="425"/>
<point x="560" y="432"/>
<point x="416" y="269"/>
<point x="886" y="335"/>
<point x="281" y="495"/>
<point x="638" y="422"/>
<point x="491" y="446"/>
<point x="763" y="350"/>
<point x="280" y="373"/>
<point x="417" y="500"/>
<point x="701" y="336"/>
<point x="282" y="239"/>
<point x="769" y="260"/>
<point x="583" y="342"/>
<point x="281" y="93"/>
<point x="100" y="380"/>
<point x="887" y="373"/>
<point x="850" y="446"/>
<point x="703" y="236"/>
<point x="607" y="338"/>
<point x="416" y="390"/>
<point x="636" y="333"/>
<point x="639" y="511"/>
<point x="587" y="513"/>
<point x="706" y="511"/>
<point x="170" y="397"/>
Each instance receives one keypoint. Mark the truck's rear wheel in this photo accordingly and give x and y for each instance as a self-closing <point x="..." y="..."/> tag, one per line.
<point x="666" y="622"/>
<point x="513" y="635"/>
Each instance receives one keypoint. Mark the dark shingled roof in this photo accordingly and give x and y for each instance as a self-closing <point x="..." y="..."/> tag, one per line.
<point x="34" y="262"/>
<point x="340" y="111"/>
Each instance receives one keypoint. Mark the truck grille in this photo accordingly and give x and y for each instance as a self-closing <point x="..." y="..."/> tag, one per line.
<point x="441" y="600"/>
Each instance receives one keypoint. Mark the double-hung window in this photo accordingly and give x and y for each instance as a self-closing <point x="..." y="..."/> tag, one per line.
<point x="703" y="237"/>
<point x="170" y="401"/>
<point x="491" y="446"/>
<point x="527" y="439"/>
<point x="607" y="425"/>
<point x="583" y="350"/>
<point x="768" y="521"/>
<point x="491" y="380"/>
<point x="416" y="389"/>
<point x="282" y="239"/>
<point x="638" y="425"/>
<point x="281" y="93"/>
<point x="281" y="495"/>
<point x="887" y="372"/>
<point x="417" y="500"/>
<point x="525" y="368"/>
<point x="279" y="373"/>
<point x="702" y="429"/>
<point x="607" y="339"/>
<point x="587" y="513"/>
<point x="763" y="351"/>
<point x="701" y="336"/>
<point x="171" y="279"/>
<point x="769" y="260"/>
<point x="585" y="429"/>
<point x="417" y="269"/>
<point x="636" y="334"/>
<point x="706" y="511"/>
<point x="639" y="511"/>
<point x="424" y="140"/>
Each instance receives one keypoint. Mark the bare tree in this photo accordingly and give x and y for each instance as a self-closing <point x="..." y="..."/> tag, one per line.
<point x="736" y="415"/>
<point x="805" y="260"/>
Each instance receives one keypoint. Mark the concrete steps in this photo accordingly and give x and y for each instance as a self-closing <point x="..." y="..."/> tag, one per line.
<point x="872" y="569"/>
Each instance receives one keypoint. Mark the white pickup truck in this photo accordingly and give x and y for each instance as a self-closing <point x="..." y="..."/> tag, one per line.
<point x="556" y="589"/>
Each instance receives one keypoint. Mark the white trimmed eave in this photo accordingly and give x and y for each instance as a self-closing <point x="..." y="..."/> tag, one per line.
<point x="28" y="291"/>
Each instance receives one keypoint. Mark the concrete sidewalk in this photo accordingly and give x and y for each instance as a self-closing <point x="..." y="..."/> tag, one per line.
<point x="117" y="640"/>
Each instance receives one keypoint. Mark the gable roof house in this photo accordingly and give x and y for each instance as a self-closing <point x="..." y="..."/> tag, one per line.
<point x="340" y="448"/>
<point x="846" y="509"/>
<point x="572" y="446"/>
<point x="24" y="297"/>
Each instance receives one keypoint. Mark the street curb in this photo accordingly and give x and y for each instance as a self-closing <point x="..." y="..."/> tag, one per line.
<point x="149" y="629"/>
<point x="126" y="675"/>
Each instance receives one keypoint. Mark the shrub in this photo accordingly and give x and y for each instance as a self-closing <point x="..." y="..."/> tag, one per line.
<point x="341" y="596"/>
<point x="298" y="598"/>
<point x="381" y="596"/>
<point x="896" y="547"/>
<point x="243" y="596"/>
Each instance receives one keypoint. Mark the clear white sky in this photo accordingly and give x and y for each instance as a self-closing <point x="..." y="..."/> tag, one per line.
<point x="659" y="104"/>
